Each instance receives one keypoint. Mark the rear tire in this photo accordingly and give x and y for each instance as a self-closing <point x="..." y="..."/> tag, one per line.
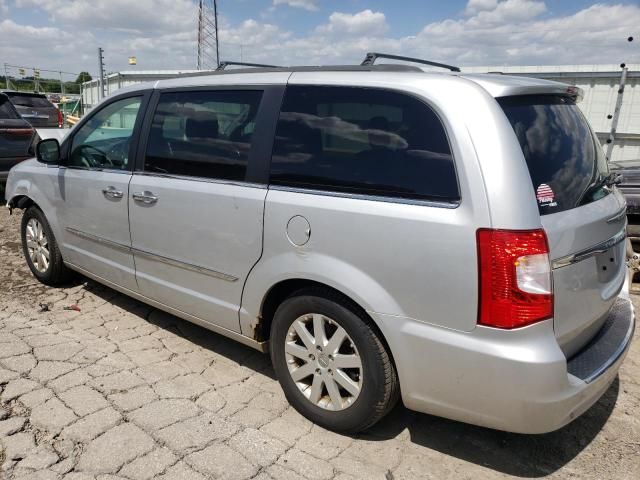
<point x="41" y="249"/>
<point x="350" y="382"/>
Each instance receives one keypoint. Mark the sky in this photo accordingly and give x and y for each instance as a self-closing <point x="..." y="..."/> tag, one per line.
<point x="65" y="34"/>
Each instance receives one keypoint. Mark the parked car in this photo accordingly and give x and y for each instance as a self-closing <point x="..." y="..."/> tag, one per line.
<point x="36" y="109"/>
<point x="453" y="239"/>
<point x="17" y="138"/>
<point x="630" y="187"/>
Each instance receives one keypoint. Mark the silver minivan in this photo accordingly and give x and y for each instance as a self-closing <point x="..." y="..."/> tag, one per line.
<point x="384" y="231"/>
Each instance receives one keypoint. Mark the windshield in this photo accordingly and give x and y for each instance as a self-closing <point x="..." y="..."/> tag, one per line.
<point x="565" y="159"/>
<point x="32" y="101"/>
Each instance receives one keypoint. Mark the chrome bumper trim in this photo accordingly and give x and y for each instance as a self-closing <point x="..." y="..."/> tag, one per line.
<point x="591" y="251"/>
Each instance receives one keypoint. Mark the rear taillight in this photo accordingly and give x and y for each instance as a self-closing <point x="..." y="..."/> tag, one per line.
<point x="515" y="278"/>
<point x="60" y="118"/>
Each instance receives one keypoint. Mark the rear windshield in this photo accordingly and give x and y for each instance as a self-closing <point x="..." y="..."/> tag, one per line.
<point x="32" y="101"/>
<point x="565" y="159"/>
<point x="6" y="109"/>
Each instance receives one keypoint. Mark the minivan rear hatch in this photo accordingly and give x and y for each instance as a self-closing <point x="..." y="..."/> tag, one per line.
<point x="582" y="213"/>
<point x="35" y="109"/>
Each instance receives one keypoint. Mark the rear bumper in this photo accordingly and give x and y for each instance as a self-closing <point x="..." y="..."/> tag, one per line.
<point x="517" y="381"/>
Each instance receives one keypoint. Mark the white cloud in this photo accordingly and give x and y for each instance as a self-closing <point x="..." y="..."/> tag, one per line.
<point x="250" y="33"/>
<point x="509" y="11"/>
<point x="310" y="5"/>
<point x="21" y="41"/>
<point x="592" y="35"/>
<point x="475" y="6"/>
<point x="137" y="16"/>
<point x="506" y="32"/>
<point x="365" y="23"/>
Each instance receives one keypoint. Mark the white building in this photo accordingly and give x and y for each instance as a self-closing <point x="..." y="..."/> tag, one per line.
<point x="599" y="82"/>
<point x="117" y="80"/>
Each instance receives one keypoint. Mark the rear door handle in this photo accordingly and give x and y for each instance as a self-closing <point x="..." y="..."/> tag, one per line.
<point x="112" y="192"/>
<point x="148" y="198"/>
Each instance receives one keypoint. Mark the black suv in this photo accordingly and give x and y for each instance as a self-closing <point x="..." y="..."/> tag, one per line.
<point x="16" y="137"/>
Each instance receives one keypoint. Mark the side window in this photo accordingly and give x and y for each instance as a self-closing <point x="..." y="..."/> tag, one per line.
<point x="366" y="141"/>
<point x="203" y="133"/>
<point x="105" y="140"/>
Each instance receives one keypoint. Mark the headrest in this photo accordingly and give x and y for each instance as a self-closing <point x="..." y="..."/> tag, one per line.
<point x="202" y="125"/>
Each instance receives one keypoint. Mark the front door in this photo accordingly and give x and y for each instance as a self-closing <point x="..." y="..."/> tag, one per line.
<point x="196" y="222"/>
<point x="94" y="188"/>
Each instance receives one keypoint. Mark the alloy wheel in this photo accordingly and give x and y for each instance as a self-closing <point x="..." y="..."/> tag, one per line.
<point x="37" y="245"/>
<point x="323" y="361"/>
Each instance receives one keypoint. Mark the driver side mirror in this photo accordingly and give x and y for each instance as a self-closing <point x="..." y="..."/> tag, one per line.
<point x="48" y="151"/>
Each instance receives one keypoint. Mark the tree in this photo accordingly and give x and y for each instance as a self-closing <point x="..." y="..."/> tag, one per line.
<point x="83" y="77"/>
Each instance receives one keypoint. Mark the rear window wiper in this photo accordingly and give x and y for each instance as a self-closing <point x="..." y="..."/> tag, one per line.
<point x="608" y="181"/>
<point x="614" y="178"/>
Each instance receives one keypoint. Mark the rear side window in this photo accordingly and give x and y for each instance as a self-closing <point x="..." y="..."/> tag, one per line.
<point x="31" y="101"/>
<point x="203" y="134"/>
<point x="6" y="109"/>
<point x="565" y="159"/>
<point x="362" y="141"/>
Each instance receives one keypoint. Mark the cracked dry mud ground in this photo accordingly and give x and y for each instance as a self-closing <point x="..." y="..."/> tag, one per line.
<point x="121" y="390"/>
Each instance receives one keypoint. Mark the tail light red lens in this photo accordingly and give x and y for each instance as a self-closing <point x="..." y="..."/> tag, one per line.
<point x="60" y="118"/>
<point x="514" y="278"/>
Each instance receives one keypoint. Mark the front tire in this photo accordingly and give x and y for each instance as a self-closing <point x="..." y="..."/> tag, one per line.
<point x="41" y="249"/>
<point x="330" y="362"/>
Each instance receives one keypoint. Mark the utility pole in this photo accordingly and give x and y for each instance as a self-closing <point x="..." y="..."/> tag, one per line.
<point x="215" y="19"/>
<point x="101" y="90"/>
<point x="6" y="76"/>
<point x="200" y="35"/>
<point x="208" y="35"/>
<point x="36" y="79"/>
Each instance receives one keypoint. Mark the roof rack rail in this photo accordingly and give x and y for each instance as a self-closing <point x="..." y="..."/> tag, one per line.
<point x="373" y="56"/>
<point x="225" y="64"/>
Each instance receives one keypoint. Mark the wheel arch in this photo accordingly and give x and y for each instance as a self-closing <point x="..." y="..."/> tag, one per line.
<point x="21" y="202"/>
<point x="284" y="289"/>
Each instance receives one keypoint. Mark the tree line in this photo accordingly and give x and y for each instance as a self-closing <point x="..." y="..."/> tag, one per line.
<point x="45" y="85"/>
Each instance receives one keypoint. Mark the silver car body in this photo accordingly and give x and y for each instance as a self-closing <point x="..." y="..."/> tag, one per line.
<point x="212" y="251"/>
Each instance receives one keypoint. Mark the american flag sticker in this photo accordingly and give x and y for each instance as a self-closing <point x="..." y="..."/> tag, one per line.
<point x="545" y="195"/>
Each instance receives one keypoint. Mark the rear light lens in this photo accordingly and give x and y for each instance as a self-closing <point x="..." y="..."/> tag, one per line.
<point x="60" y="118"/>
<point x="514" y="278"/>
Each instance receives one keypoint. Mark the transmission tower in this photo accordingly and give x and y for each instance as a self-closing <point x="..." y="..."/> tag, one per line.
<point x="208" y="52"/>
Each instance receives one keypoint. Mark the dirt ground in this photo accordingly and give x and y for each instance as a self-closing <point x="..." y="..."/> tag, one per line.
<point x="121" y="390"/>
